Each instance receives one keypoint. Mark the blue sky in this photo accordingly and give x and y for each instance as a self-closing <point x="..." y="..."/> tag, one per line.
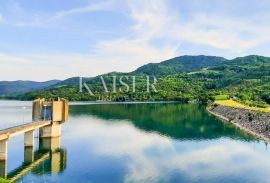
<point x="41" y="40"/>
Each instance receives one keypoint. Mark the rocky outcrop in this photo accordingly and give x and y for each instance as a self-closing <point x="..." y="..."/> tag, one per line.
<point x="256" y="122"/>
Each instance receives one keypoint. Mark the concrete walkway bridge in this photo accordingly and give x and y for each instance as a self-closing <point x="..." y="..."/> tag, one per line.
<point x="48" y="116"/>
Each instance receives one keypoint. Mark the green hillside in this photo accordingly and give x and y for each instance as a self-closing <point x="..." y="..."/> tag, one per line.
<point x="186" y="78"/>
<point x="179" y="65"/>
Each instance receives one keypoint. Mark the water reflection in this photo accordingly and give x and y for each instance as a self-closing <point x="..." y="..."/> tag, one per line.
<point x="49" y="158"/>
<point x="117" y="151"/>
<point x="179" y="121"/>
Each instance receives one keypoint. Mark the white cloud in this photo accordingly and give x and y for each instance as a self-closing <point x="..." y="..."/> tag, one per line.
<point x="122" y="54"/>
<point x="57" y="16"/>
<point x="103" y="5"/>
<point x="156" y="19"/>
<point x="153" y="20"/>
<point x="38" y="67"/>
<point x="7" y="60"/>
<point x="223" y="33"/>
<point x="119" y="55"/>
<point x="128" y="54"/>
<point x="151" y="17"/>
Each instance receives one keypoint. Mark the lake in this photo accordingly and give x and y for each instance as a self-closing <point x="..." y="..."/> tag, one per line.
<point x="140" y="143"/>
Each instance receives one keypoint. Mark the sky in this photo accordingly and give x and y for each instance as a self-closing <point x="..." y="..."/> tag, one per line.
<point x="43" y="40"/>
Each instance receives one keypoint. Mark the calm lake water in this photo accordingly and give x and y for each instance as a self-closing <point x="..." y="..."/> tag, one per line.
<point x="140" y="143"/>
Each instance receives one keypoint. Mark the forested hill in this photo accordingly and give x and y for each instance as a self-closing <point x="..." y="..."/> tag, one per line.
<point x="179" y="65"/>
<point x="185" y="78"/>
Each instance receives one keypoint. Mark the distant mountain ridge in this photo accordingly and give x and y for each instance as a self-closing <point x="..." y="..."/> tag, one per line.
<point x="8" y="88"/>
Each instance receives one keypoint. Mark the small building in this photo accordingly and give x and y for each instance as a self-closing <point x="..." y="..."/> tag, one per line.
<point x="56" y="111"/>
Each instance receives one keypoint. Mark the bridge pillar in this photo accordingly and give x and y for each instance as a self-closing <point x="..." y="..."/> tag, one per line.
<point x="52" y="130"/>
<point x="50" y="144"/>
<point x="3" y="149"/>
<point x="3" y="168"/>
<point x="57" y="155"/>
<point x="29" y="138"/>
<point x="56" y="162"/>
<point x="28" y="154"/>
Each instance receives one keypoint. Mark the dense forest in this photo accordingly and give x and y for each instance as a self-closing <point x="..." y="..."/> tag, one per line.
<point x="184" y="78"/>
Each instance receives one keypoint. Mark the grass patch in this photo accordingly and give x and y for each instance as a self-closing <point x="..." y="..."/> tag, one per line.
<point x="2" y="180"/>
<point x="232" y="103"/>
<point x="221" y="97"/>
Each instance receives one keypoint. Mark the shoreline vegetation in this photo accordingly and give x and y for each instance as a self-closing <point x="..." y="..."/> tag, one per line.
<point x="254" y="120"/>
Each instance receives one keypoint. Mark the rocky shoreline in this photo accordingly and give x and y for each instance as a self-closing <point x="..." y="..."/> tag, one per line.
<point x="255" y="122"/>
